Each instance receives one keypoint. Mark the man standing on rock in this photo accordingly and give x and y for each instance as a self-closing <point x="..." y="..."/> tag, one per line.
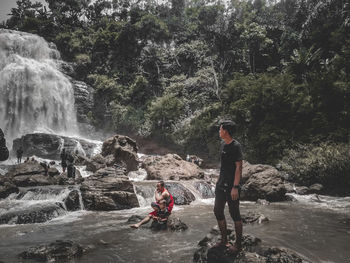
<point x="19" y="154"/>
<point x="228" y="185"/>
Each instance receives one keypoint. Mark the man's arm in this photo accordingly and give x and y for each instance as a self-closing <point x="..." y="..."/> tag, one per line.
<point x="238" y="176"/>
<point x="162" y="196"/>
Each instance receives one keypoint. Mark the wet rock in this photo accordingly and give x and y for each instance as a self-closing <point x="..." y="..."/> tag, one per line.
<point x="262" y="202"/>
<point x="175" y="224"/>
<point x="95" y="163"/>
<point x="316" y="188"/>
<point x="33" y="214"/>
<point x="123" y="149"/>
<point x="72" y="201"/>
<point x="206" y="190"/>
<point x="170" y="167"/>
<point x="84" y="100"/>
<point x="106" y="192"/>
<point x="6" y="189"/>
<point x="252" y="251"/>
<point x="33" y="173"/>
<point x="4" y="152"/>
<point x="59" y="250"/>
<point x="181" y="195"/>
<point x="291" y="198"/>
<point x="264" y="183"/>
<point x="252" y="217"/>
<point x="49" y="146"/>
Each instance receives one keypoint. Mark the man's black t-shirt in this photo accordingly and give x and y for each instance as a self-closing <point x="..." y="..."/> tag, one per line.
<point x="230" y="154"/>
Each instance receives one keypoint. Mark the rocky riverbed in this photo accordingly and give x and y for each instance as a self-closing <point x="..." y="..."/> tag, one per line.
<point x="46" y="215"/>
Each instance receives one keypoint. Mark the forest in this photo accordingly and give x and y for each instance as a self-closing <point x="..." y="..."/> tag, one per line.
<point x="169" y="71"/>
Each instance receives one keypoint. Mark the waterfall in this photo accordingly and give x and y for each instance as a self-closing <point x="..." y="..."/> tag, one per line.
<point x="35" y="95"/>
<point x="37" y="204"/>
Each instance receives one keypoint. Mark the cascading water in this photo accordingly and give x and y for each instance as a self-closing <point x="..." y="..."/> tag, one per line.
<point x="35" y="95"/>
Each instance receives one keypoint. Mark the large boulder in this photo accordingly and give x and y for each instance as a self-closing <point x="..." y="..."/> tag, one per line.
<point x="170" y="167"/>
<point x="123" y="150"/>
<point x="58" y="251"/>
<point x="72" y="201"/>
<point x="49" y="146"/>
<point x="84" y="100"/>
<point x="4" y="152"/>
<point x="104" y="192"/>
<point x="7" y="188"/>
<point x="33" y="173"/>
<point x="95" y="163"/>
<point x="181" y="195"/>
<point x="252" y="251"/>
<point x="263" y="182"/>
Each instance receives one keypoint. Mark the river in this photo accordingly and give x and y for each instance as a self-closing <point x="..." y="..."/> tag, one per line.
<point x="317" y="228"/>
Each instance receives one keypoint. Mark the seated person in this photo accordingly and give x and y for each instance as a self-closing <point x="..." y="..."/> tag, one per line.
<point x="161" y="193"/>
<point x="153" y="214"/>
<point x="160" y="219"/>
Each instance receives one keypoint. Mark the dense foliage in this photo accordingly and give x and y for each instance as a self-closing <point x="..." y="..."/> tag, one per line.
<point x="169" y="70"/>
<point x="326" y="163"/>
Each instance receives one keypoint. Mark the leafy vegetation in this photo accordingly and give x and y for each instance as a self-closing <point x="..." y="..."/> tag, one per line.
<point x="169" y="70"/>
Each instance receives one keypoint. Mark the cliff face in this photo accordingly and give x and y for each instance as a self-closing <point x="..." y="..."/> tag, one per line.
<point x="4" y="152"/>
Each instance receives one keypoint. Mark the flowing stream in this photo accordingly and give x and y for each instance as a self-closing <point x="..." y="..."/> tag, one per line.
<point x="317" y="227"/>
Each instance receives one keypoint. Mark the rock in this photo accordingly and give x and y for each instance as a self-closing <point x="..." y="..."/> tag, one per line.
<point x="291" y="198"/>
<point x="194" y="159"/>
<point x="264" y="183"/>
<point x="175" y="224"/>
<point x="33" y="214"/>
<point x="252" y="217"/>
<point x="302" y="190"/>
<point x="72" y="201"/>
<point x="252" y="251"/>
<point x="49" y="146"/>
<point x="112" y="171"/>
<point x="170" y="167"/>
<point x="95" y="163"/>
<point x="4" y="152"/>
<point x="124" y="151"/>
<point x="316" y="188"/>
<point x="59" y="250"/>
<point x="290" y="187"/>
<point x="33" y="174"/>
<point x="6" y="189"/>
<point x="106" y="192"/>
<point x="84" y="100"/>
<point x="205" y="189"/>
<point x="181" y="195"/>
<point x="250" y="169"/>
<point x="262" y="202"/>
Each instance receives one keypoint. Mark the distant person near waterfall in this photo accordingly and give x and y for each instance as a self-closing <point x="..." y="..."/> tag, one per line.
<point x="63" y="159"/>
<point x="228" y="186"/>
<point x="19" y="154"/>
<point x="162" y="208"/>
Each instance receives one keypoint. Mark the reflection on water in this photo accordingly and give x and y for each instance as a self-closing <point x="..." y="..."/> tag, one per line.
<point x="321" y="235"/>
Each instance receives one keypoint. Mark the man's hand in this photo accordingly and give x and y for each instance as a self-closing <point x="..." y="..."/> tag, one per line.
<point x="234" y="194"/>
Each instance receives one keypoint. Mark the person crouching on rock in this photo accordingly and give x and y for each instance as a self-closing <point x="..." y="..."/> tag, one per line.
<point x="161" y="193"/>
<point x="228" y="185"/>
<point x="150" y="216"/>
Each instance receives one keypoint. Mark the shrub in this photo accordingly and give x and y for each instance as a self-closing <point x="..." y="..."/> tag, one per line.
<point x="326" y="163"/>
